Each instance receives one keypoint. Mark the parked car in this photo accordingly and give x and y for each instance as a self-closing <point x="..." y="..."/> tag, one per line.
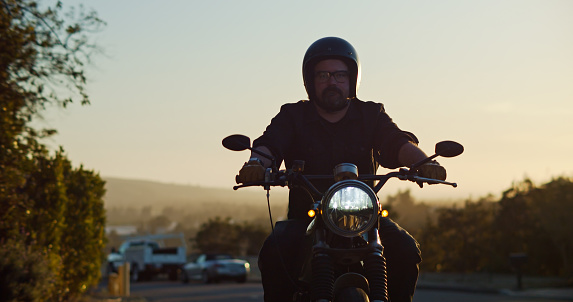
<point x="215" y="267"/>
<point x="148" y="256"/>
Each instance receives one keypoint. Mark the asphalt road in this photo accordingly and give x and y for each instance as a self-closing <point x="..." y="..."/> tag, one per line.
<point x="165" y="291"/>
<point x="424" y="295"/>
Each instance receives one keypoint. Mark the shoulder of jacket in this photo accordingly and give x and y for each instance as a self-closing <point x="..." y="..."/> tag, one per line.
<point x="295" y="106"/>
<point x="370" y="106"/>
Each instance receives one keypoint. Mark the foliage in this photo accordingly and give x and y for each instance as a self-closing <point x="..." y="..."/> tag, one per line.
<point x="253" y="236"/>
<point x="64" y="221"/>
<point x="44" y="55"/>
<point x="218" y="236"/>
<point x="460" y="239"/>
<point x="554" y="205"/>
<point x="49" y="211"/>
<point x="481" y="235"/>
<point x="24" y="274"/>
<point x="155" y="225"/>
<point x="538" y="218"/>
<point x="223" y="236"/>
<point x="84" y="237"/>
<point x="408" y="213"/>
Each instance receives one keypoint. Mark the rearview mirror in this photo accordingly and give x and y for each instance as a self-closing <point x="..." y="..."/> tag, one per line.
<point x="237" y="142"/>
<point x="449" y="149"/>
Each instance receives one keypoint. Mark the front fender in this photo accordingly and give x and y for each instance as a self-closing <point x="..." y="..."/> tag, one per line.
<point x="351" y="280"/>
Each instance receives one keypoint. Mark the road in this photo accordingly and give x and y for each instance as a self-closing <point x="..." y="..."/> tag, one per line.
<point x="424" y="295"/>
<point x="165" y="291"/>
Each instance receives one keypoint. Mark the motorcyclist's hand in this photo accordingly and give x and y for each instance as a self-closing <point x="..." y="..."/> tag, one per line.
<point x="432" y="170"/>
<point x="251" y="171"/>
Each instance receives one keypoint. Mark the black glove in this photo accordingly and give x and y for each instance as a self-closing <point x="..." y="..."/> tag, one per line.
<point x="251" y="171"/>
<point x="432" y="170"/>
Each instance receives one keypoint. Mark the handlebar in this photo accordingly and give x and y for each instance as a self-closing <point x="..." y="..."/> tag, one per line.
<point x="284" y="178"/>
<point x="274" y="177"/>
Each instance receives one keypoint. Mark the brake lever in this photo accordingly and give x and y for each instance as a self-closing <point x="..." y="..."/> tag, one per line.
<point x="269" y="181"/>
<point x="421" y="180"/>
<point x="249" y="184"/>
<point x="410" y="174"/>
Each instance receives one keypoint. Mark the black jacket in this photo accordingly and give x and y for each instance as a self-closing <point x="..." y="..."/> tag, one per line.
<point x="366" y="137"/>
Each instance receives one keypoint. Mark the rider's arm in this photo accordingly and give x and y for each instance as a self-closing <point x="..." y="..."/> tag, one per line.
<point x="410" y="154"/>
<point x="280" y="133"/>
<point x="254" y="169"/>
<point x="394" y="147"/>
<point x="265" y="161"/>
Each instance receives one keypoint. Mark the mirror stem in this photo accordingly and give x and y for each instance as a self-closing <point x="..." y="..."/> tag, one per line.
<point x="423" y="161"/>
<point x="263" y="154"/>
<point x="269" y="157"/>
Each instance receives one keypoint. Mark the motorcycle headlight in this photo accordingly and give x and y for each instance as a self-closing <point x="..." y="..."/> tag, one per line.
<point x="350" y="208"/>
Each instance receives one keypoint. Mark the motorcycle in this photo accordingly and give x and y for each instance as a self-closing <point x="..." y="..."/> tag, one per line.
<point x="346" y="262"/>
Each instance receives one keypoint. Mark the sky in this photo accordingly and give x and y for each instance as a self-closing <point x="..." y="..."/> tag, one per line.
<point x="178" y="76"/>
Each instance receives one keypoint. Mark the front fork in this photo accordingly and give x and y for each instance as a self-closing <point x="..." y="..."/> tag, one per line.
<point x="322" y="285"/>
<point x="375" y="269"/>
<point x="322" y="280"/>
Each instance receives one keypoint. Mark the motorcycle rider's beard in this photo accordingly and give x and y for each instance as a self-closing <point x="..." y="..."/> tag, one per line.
<point x="332" y="100"/>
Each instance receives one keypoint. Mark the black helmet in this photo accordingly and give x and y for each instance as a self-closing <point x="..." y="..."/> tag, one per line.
<point x="330" y="48"/>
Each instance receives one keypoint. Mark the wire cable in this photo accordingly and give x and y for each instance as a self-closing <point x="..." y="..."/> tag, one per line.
<point x="297" y="288"/>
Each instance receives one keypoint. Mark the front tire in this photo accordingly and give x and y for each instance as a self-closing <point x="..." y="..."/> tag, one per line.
<point x="351" y="294"/>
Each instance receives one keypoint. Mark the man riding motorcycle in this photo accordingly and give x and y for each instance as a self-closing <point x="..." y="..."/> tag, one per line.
<point x="333" y="127"/>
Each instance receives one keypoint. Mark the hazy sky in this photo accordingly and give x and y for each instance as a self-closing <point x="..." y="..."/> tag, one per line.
<point x="494" y="75"/>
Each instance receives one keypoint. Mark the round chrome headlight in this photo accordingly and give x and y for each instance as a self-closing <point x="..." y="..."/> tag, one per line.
<point x="350" y="208"/>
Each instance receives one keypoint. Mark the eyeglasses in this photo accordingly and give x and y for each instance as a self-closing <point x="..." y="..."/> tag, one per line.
<point x="340" y="76"/>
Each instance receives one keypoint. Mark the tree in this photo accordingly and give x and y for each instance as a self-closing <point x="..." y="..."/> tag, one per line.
<point x="482" y="235"/>
<point x="540" y="217"/>
<point x="252" y="236"/>
<point x="409" y="214"/>
<point x="83" y="238"/>
<point x="554" y="203"/>
<point x="157" y="224"/>
<point x="225" y="236"/>
<point x="519" y="230"/>
<point x="218" y="236"/>
<point x="461" y="239"/>
<point x="25" y="274"/>
<point x="42" y="63"/>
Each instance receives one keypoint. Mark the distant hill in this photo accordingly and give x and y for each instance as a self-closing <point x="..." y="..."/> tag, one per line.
<point x="141" y="193"/>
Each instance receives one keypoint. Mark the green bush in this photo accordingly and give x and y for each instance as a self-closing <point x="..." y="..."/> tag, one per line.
<point x="481" y="235"/>
<point x="25" y="275"/>
<point x="51" y="215"/>
<point x="225" y="236"/>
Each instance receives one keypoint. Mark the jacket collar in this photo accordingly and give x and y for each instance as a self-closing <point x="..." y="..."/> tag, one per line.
<point x="311" y="114"/>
